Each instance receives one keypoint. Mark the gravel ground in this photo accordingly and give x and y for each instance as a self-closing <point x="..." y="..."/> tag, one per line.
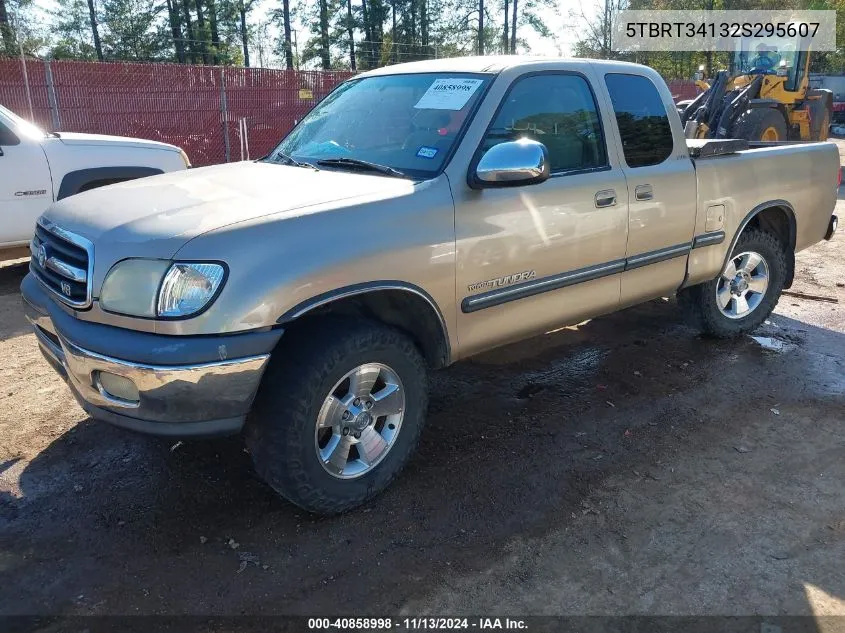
<point x="624" y="466"/>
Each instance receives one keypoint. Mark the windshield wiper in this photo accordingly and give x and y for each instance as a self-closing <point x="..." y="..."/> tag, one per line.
<point x="290" y="160"/>
<point x="363" y="165"/>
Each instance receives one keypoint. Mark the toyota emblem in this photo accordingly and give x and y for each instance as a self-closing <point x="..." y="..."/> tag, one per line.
<point x="42" y="255"/>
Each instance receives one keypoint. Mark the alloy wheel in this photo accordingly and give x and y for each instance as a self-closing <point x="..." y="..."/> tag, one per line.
<point x="742" y="285"/>
<point x="359" y="421"/>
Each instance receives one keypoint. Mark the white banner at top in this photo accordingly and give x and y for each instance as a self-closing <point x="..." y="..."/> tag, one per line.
<point x="771" y="33"/>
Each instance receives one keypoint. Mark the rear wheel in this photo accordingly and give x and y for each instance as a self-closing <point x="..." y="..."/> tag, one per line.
<point x="339" y="412"/>
<point x="746" y="291"/>
<point x="760" y="124"/>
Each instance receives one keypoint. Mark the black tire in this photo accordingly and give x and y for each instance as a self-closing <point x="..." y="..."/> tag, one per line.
<point x="699" y="302"/>
<point x="820" y="104"/>
<point x="752" y="124"/>
<point x="281" y="426"/>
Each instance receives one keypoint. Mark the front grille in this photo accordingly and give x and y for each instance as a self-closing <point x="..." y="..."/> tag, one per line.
<point x="62" y="261"/>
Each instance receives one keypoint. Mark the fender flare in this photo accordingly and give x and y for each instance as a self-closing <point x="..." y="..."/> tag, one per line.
<point x="793" y="231"/>
<point x="306" y="306"/>
<point x="73" y="181"/>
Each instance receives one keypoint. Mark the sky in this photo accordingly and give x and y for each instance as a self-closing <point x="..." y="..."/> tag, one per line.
<point x="558" y="22"/>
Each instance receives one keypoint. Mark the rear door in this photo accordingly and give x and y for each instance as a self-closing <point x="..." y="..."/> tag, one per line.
<point x="661" y="186"/>
<point x="26" y="189"/>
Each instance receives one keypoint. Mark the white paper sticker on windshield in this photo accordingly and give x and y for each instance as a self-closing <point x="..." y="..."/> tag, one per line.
<point x="448" y="94"/>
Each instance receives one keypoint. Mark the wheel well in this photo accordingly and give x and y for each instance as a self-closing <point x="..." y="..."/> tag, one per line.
<point x="780" y="221"/>
<point x="96" y="184"/>
<point x="80" y="180"/>
<point x="402" y="309"/>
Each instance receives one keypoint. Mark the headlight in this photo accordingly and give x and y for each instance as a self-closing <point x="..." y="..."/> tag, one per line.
<point x="153" y="288"/>
<point x="187" y="288"/>
<point x="131" y="286"/>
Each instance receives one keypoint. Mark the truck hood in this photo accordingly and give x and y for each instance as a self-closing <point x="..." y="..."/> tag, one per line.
<point x="155" y="216"/>
<point x="100" y="140"/>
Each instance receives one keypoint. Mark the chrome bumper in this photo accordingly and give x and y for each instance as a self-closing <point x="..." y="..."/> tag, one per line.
<point x="181" y="400"/>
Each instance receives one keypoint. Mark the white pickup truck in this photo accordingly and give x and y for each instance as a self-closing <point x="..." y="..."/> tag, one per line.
<point x="37" y="168"/>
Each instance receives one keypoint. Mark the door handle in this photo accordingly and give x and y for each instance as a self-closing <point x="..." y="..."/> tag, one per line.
<point x="605" y="198"/>
<point x="643" y="192"/>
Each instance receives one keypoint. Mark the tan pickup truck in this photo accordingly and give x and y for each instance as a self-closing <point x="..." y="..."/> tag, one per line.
<point x="420" y="214"/>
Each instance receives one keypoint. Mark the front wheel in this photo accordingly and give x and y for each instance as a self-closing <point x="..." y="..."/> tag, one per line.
<point x="761" y="124"/>
<point x="339" y="412"/>
<point x="746" y="291"/>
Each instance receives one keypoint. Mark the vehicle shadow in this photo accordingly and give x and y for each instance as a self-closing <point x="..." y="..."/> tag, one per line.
<point x="12" y="321"/>
<point x="519" y="442"/>
<point x="11" y="276"/>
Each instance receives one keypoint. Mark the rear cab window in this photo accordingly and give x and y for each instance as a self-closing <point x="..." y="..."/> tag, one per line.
<point x="642" y="119"/>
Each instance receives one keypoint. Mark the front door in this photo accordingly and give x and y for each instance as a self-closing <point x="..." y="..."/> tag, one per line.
<point x="26" y="189"/>
<point x="535" y="257"/>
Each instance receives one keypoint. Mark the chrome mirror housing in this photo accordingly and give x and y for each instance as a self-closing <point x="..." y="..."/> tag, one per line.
<point x="512" y="164"/>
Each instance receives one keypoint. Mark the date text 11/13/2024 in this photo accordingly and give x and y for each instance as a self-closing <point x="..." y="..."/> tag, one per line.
<point x="413" y="624"/>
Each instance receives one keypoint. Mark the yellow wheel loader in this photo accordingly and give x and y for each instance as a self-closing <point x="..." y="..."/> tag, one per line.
<point x="764" y="96"/>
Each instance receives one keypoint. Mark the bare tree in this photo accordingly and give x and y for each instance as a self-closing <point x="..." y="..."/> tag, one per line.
<point x="95" y="32"/>
<point x="598" y="28"/>
<point x="480" y="27"/>
<point x="368" y="55"/>
<point x="175" y="31"/>
<point x="189" y="31"/>
<point x="507" y="27"/>
<point x="349" y="28"/>
<point x="243" y="9"/>
<point x="393" y="45"/>
<point x="513" y="28"/>
<point x="424" y="24"/>
<point x="215" y="33"/>
<point x="325" y="43"/>
<point x="287" y="29"/>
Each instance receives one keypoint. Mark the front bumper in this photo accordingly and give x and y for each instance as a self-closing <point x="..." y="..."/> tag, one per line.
<point x="207" y="396"/>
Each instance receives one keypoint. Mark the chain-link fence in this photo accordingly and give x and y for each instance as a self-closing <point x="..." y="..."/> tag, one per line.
<point x="213" y="113"/>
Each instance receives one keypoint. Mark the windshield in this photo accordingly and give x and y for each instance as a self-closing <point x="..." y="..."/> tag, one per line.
<point x="775" y="55"/>
<point x="20" y="125"/>
<point x="405" y="122"/>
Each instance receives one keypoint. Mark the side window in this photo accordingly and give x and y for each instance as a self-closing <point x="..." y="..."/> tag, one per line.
<point x="7" y="137"/>
<point x="556" y="110"/>
<point x="642" y="119"/>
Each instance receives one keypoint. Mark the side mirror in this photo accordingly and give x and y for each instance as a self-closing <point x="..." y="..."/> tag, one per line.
<point x="512" y="164"/>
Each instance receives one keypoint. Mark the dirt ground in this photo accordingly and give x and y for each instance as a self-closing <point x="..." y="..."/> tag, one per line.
<point x="627" y="466"/>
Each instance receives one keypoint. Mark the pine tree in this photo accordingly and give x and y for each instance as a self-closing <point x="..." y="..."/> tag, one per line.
<point x="72" y="31"/>
<point x="133" y="30"/>
<point x="6" y="32"/>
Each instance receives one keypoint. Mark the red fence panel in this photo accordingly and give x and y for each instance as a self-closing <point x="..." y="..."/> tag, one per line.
<point x="682" y="89"/>
<point x="270" y="102"/>
<point x="162" y="102"/>
<point x="17" y="89"/>
<point x="199" y="108"/>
